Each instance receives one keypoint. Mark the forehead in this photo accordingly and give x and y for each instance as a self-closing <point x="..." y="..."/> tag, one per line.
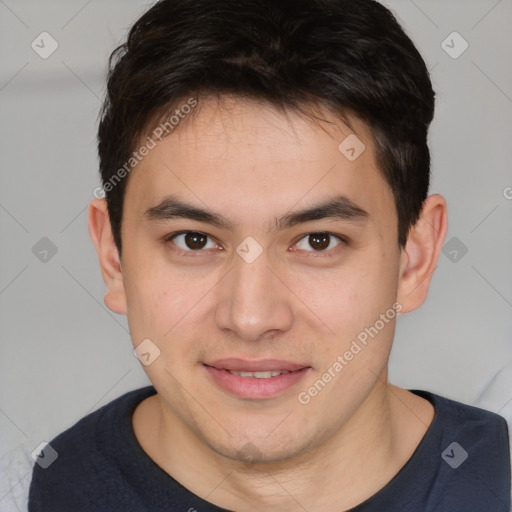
<point x="246" y="158"/>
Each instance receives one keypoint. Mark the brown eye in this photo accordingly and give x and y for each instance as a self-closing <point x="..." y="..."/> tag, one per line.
<point x="195" y="240"/>
<point x="192" y="241"/>
<point x="319" y="242"/>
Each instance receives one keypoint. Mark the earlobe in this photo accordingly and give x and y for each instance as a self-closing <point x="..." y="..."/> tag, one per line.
<point x="421" y="253"/>
<point x="101" y="235"/>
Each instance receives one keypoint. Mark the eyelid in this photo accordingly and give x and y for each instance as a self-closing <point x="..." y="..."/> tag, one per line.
<point x="342" y="239"/>
<point x="171" y="236"/>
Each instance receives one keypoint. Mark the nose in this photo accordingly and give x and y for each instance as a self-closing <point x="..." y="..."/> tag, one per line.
<point x="254" y="303"/>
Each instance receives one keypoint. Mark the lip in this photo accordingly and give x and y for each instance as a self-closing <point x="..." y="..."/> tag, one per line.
<point x="252" y="387"/>
<point x="262" y="365"/>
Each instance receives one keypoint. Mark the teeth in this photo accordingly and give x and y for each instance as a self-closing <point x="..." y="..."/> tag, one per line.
<point x="259" y="375"/>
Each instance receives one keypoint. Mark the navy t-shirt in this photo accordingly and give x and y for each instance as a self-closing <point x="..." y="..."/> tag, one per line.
<point x="462" y="464"/>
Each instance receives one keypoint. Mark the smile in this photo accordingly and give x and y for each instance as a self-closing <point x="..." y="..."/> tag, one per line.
<point x="255" y="379"/>
<point x="259" y="375"/>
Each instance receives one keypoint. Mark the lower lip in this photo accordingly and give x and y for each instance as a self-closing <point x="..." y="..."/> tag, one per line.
<point x="251" y="387"/>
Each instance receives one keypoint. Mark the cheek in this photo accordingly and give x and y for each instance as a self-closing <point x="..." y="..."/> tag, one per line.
<point x="155" y="305"/>
<point x="354" y="294"/>
<point x="352" y="308"/>
<point x="167" y="306"/>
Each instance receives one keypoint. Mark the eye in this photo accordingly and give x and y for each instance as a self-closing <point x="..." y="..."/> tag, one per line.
<point x="191" y="241"/>
<point x="319" y="242"/>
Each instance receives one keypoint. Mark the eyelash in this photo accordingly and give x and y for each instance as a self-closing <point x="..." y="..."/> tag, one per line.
<point x="325" y="253"/>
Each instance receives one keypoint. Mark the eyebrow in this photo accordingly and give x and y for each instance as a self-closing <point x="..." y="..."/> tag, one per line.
<point x="338" y="208"/>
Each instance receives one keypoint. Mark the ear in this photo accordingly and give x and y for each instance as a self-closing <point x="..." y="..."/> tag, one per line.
<point x="108" y="255"/>
<point x="421" y="253"/>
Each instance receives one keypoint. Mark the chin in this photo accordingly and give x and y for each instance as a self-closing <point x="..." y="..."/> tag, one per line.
<point x="260" y="451"/>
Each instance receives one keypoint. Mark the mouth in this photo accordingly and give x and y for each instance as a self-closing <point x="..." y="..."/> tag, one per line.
<point x="255" y="379"/>
<point x="259" y="375"/>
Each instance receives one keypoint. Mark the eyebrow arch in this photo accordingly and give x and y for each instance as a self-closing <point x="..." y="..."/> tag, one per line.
<point x="172" y="208"/>
<point x="338" y="208"/>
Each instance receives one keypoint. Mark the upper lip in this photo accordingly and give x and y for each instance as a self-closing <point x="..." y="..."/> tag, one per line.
<point x="262" y="365"/>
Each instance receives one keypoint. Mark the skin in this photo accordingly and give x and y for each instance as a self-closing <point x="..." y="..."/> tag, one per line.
<point x="252" y="164"/>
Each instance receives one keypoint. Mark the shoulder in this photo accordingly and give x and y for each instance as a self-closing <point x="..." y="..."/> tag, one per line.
<point x="485" y="433"/>
<point x="473" y="469"/>
<point x="460" y="417"/>
<point x="82" y="462"/>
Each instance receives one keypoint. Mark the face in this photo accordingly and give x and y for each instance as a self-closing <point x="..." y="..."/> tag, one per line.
<point x="251" y="243"/>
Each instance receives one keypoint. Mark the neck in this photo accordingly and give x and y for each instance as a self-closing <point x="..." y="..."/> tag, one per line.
<point x="360" y="459"/>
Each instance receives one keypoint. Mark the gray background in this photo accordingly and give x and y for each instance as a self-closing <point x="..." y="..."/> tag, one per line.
<point x="63" y="354"/>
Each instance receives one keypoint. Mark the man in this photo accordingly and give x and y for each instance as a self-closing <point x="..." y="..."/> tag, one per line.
<point x="266" y="219"/>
